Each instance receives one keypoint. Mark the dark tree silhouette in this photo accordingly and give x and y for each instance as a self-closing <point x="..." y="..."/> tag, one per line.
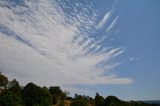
<point x="8" y="98"/>
<point x="99" y="100"/>
<point x="35" y="95"/>
<point x="56" y="93"/>
<point x="3" y="81"/>
<point x="14" y="87"/>
<point x="111" y="100"/>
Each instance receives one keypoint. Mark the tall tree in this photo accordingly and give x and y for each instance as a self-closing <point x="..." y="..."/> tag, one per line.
<point x="56" y="93"/>
<point x="3" y="81"/>
<point x="14" y="87"/>
<point x="99" y="100"/>
<point x="35" y="95"/>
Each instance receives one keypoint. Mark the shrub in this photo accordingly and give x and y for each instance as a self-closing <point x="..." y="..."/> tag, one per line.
<point x="10" y="99"/>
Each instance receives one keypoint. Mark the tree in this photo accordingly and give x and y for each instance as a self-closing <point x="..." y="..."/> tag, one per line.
<point x="64" y="95"/>
<point x="99" y="100"/>
<point x="112" y="101"/>
<point x="80" y="100"/>
<point x="3" y="81"/>
<point x="14" y="87"/>
<point x="10" y="99"/>
<point x="30" y="94"/>
<point x="56" y="93"/>
<point x="44" y="97"/>
<point x="35" y="95"/>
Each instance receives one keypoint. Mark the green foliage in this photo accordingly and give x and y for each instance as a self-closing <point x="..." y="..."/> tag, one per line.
<point x="12" y="94"/>
<point x="30" y="94"/>
<point x="80" y="100"/>
<point x="3" y="81"/>
<point x="99" y="100"/>
<point x="69" y="98"/>
<point x="14" y="87"/>
<point x="112" y="101"/>
<point x="56" y="93"/>
<point x="35" y="95"/>
<point x="10" y="99"/>
<point x="55" y="90"/>
<point x="63" y="95"/>
<point x="44" y="97"/>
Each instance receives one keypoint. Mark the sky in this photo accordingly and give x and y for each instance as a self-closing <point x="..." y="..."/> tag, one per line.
<point x="84" y="46"/>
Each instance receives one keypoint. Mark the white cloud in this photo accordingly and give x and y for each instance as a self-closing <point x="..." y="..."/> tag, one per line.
<point x="104" y="20"/>
<point x="39" y="43"/>
<point x="134" y="59"/>
<point x="112" y="24"/>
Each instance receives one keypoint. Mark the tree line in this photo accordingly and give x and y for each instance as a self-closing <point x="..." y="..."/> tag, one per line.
<point x="12" y="94"/>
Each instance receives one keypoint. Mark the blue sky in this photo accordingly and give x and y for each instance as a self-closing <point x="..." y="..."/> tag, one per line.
<point x="106" y="46"/>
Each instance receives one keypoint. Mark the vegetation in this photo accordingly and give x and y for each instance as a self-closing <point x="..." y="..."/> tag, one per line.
<point x="3" y="81"/>
<point x="80" y="100"/>
<point x="99" y="100"/>
<point x="56" y="93"/>
<point x="11" y="94"/>
<point x="35" y="95"/>
<point x="8" y="98"/>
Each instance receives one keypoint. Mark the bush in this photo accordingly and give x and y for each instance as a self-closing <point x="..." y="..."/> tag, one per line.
<point x="10" y="99"/>
<point x="3" y="81"/>
<point x="79" y="102"/>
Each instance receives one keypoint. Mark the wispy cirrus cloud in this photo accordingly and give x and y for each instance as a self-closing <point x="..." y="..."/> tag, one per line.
<point x="112" y="24"/>
<point x="43" y="42"/>
<point x="104" y="19"/>
<point x="131" y="59"/>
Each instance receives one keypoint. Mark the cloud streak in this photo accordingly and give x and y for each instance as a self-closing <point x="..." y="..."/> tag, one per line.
<point x="43" y="43"/>
<point x="104" y="19"/>
<point x="112" y="24"/>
